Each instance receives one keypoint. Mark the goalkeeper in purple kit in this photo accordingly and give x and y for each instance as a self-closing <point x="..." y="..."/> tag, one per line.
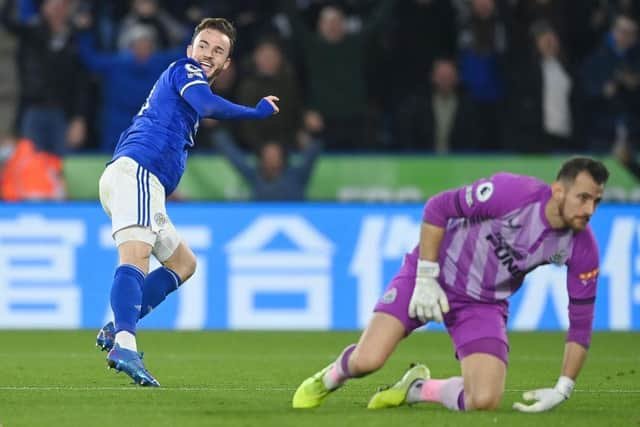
<point x="476" y="245"/>
<point x="146" y="167"/>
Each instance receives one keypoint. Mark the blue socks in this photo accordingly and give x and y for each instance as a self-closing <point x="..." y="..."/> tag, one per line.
<point x="126" y="297"/>
<point x="133" y="296"/>
<point x="158" y="284"/>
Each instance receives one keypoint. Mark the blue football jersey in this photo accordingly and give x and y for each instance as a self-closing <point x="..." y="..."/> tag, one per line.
<point x="164" y="129"/>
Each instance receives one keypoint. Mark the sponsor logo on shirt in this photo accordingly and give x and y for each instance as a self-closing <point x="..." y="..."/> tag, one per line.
<point x="484" y="191"/>
<point x="505" y="253"/>
<point x="585" y="277"/>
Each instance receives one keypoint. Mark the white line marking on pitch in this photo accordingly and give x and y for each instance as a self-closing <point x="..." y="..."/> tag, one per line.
<point x="281" y="389"/>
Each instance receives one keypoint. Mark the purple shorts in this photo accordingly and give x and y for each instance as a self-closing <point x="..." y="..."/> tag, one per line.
<point x="474" y="327"/>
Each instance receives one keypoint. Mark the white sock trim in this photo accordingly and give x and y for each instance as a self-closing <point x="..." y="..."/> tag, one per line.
<point x="126" y="339"/>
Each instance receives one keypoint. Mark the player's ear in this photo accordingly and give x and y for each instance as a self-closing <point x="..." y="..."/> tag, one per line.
<point x="557" y="190"/>
<point x="226" y="64"/>
<point x="189" y="50"/>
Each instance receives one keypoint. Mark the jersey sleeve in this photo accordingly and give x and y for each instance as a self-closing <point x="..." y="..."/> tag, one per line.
<point x="485" y="198"/>
<point x="582" y="278"/>
<point x="186" y="73"/>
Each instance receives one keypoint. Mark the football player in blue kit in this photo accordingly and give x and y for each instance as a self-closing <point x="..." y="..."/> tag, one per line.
<point x="147" y="165"/>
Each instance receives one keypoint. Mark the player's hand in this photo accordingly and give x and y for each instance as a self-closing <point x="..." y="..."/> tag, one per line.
<point x="272" y="101"/>
<point x="428" y="301"/>
<point x="546" y="398"/>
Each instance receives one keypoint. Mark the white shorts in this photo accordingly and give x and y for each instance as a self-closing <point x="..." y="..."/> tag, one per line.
<point x="134" y="199"/>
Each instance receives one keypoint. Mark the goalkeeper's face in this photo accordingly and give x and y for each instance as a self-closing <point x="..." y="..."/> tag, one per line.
<point x="211" y="49"/>
<point x="581" y="198"/>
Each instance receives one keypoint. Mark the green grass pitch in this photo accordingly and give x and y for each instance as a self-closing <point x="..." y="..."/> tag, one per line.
<point x="248" y="378"/>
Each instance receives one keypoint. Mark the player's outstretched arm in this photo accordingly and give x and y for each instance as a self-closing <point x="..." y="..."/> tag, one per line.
<point x="428" y="301"/>
<point x="545" y="399"/>
<point x="210" y="105"/>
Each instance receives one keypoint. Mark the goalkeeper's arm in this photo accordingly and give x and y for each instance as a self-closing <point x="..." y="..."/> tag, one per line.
<point x="428" y="301"/>
<point x="581" y="289"/>
<point x="548" y="398"/>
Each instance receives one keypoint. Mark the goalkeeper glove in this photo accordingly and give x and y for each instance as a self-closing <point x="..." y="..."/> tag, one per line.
<point x="546" y="398"/>
<point x="428" y="301"/>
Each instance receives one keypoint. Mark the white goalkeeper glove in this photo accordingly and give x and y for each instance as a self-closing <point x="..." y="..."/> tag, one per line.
<point x="546" y="398"/>
<point x="428" y="301"/>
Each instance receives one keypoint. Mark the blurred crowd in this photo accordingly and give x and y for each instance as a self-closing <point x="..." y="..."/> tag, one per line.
<point x="437" y="76"/>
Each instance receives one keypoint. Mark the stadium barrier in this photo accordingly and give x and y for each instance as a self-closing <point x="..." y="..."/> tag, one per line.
<point x="274" y="266"/>
<point x="356" y="177"/>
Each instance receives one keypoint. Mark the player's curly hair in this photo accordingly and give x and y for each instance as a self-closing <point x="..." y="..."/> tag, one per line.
<point x="220" y="24"/>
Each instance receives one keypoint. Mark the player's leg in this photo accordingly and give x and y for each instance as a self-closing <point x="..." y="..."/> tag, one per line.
<point x="480" y="388"/>
<point x="177" y="268"/>
<point x="479" y="334"/>
<point x="134" y="249"/>
<point x="389" y="324"/>
<point x="357" y="360"/>
<point x="124" y="193"/>
<point x="178" y="265"/>
<point x="126" y="290"/>
<point x="484" y="379"/>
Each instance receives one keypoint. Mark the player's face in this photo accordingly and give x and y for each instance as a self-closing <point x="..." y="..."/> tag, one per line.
<point x="580" y="201"/>
<point x="211" y="49"/>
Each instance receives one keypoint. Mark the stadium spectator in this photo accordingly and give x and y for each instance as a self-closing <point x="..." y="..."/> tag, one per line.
<point x="612" y="85"/>
<point x="169" y="31"/>
<point x="426" y="30"/>
<point x="629" y="8"/>
<point x="334" y="61"/>
<point x="269" y="72"/>
<point x="625" y="151"/>
<point x="543" y="98"/>
<point x="483" y="44"/>
<point x="567" y="17"/>
<point x="252" y="18"/>
<point x="440" y="119"/>
<point x="125" y="77"/>
<point x="588" y="23"/>
<point x="52" y="81"/>
<point x="27" y="174"/>
<point x="476" y="245"/>
<point x="274" y="177"/>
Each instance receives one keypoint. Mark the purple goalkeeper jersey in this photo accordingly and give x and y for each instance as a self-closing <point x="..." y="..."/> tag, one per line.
<point x="496" y="232"/>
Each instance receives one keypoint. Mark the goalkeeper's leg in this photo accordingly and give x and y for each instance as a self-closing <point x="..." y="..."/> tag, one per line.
<point x="480" y="388"/>
<point x="376" y="344"/>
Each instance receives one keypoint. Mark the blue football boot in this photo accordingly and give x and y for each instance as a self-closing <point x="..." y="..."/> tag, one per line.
<point x="106" y="337"/>
<point x="130" y="362"/>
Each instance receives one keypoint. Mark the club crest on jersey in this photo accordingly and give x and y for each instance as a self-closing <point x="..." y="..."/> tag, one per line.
<point x="160" y="219"/>
<point x="193" y="71"/>
<point x="484" y="191"/>
<point x="389" y="296"/>
<point x="585" y="277"/>
<point x="558" y="258"/>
